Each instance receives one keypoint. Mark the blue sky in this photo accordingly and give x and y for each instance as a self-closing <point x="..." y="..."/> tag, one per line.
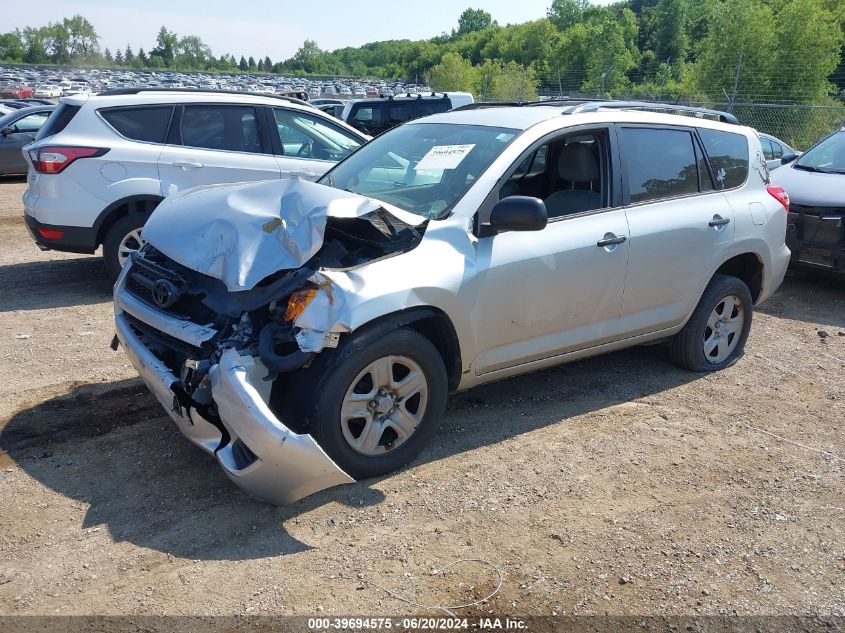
<point x="267" y="27"/>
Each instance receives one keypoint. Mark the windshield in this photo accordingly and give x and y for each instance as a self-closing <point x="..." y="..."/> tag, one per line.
<point x="828" y="156"/>
<point x="422" y="168"/>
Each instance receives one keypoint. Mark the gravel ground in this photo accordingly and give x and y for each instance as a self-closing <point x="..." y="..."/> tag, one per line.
<point x="615" y="485"/>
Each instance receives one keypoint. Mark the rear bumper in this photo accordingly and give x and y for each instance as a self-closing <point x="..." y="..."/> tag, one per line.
<point x="74" y="239"/>
<point x="260" y="454"/>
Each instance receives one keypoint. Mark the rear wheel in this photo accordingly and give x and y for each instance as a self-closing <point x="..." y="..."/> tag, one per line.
<point x="715" y="335"/>
<point x="123" y="238"/>
<point x="379" y="402"/>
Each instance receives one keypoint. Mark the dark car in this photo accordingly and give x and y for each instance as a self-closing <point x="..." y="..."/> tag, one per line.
<point x="374" y="116"/>
<point x="815" y="183"/>
<point x="16" y="130"/>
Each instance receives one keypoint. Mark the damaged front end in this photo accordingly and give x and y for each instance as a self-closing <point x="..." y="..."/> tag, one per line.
<point x="207" y="313"/>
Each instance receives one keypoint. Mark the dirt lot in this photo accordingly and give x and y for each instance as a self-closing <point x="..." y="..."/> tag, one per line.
<point x="617" y="485"/>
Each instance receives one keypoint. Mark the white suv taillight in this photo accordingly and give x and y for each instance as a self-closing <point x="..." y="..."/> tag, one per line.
<point x="55" y="159"/>
<point x="779" y="194"/>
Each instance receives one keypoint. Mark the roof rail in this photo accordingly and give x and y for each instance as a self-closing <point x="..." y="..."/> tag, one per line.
<point x="133" y="91"/>
<point x="480" y="105"/>
<point x="593" y="106"/>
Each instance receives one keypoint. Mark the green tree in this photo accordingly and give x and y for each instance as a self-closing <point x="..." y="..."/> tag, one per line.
<point x="251" y="63"/>
<point x="809" y="45"/>
<point x="11" y="47"/>
<point x="166" y="44"/>
<point x="670" y="39"/>
<point x="741" y="26"/>
<point x="453" y="73"/>
<point x="143" y="60"/>
<point x="268" y="64"/>
<point x="192" y="53"/>
<point x="242" y="65"/>
<point x="308" y="58"/>
<point x="108" y="56"/>
<point x="565" y="14"/>
<point x="35" y="49"/>
<point x="118" y="57"/>
<point x="129" y="56"/>
<point x="82" y="37"/>
<point x="473" y="20"/>
<point x="607" y="65"/>
<point x="56" y="39"/>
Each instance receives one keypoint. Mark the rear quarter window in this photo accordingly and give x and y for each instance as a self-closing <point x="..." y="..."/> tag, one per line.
<point x="140" y="124"/>
<point x="58" y="121"/>
<point x="728" y="153"/>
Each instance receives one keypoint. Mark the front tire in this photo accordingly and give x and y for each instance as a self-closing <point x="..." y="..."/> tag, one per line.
<point x="123" y="238"/>
<point x="378" y="402"/>
<point x="715" y="335"/>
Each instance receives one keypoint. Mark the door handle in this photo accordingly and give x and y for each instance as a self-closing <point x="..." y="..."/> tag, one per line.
<point x="187" y="164"/>
<point x="610" y="239"/>
<point x="718" y="220"/>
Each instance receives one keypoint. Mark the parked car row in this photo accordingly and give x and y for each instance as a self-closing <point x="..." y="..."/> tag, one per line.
<point x="53" y="83"/>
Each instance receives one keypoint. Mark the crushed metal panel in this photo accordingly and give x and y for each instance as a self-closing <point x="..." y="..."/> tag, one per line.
<point x="288" y="466"/>
<point x="241" y="233"/>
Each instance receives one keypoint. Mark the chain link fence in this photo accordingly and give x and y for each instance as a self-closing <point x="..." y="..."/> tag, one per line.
<point x="799" y="125"/>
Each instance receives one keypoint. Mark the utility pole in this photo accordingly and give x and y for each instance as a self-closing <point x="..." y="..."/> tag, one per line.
<point x="736" y="79"/>
<point x="559" y="84"/>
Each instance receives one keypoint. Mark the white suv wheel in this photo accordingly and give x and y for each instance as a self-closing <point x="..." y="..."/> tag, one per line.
<point x="130" y="243"/>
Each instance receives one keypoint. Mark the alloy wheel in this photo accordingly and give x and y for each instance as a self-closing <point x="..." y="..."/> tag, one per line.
<point x="723" y="329"/>
<point x="384" y="405"/>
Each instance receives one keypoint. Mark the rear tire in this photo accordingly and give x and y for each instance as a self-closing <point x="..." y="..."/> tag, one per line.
<point x="123" y="236"/>
<point x="715" y="335"/>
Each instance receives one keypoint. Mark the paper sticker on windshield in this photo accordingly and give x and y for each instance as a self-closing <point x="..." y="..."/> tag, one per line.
<point x="444" y="157"/>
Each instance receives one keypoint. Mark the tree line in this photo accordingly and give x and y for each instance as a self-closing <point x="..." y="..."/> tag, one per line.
<point x="739" y="50"/>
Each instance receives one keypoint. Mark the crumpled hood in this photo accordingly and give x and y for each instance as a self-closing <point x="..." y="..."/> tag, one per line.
<point x="240" y="233"/>
<point x="810" y="188"/>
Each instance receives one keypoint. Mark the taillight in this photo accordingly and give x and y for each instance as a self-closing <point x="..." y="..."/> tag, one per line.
<point x="55" y="159"/>
<point x="51" y="234"/>
<point x="779" y="194"/>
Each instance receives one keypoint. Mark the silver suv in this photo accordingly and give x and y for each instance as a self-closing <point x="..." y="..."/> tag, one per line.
<point x="101" y="164"/>
<point x="308" y="334"/>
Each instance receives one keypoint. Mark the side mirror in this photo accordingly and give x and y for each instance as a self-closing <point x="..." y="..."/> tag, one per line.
<point x="788" y="158"/>
<point x="7" y="130"/>
<point x="516" y="213"/>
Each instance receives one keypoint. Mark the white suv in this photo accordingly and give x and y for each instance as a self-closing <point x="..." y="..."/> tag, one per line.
<point x="307" y="334"/>
<point x="101" y="164"/>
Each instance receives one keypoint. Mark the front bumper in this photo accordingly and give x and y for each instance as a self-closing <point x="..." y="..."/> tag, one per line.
<point x="260" y="454"/>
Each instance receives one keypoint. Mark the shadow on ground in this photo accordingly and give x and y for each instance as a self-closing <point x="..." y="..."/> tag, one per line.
<point x="44" y="284"/>
<point x="110" y="447"/>
<point x="814" y="297"/>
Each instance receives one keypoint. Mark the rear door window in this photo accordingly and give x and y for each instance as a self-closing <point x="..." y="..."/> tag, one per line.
<point x="229" y="128"/>
<point x="728" y="153"/>
<point x="306" y="136"/>
<point x="659" y="163"/>
<point x="140" y="124"/>
<point x="31" y="122"/>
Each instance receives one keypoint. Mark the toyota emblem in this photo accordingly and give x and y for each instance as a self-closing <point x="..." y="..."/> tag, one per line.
<point x="165" y="293"/>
